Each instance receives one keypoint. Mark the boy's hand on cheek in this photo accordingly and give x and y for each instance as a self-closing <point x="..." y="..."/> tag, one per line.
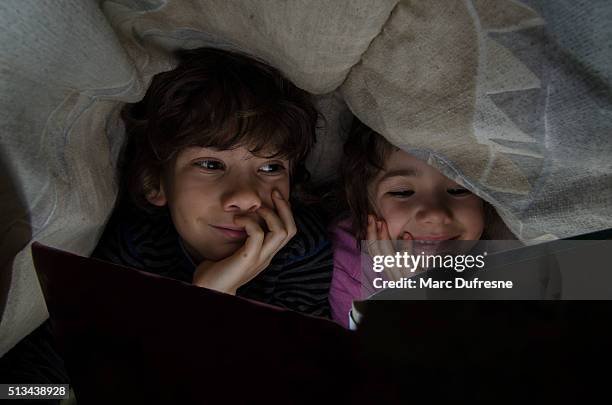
<point x="255" y="255"/>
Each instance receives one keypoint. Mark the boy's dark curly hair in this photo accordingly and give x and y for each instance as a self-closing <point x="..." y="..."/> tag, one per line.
<point x="219" y="99"/>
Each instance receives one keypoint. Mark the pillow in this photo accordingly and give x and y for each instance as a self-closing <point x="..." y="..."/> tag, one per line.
<point x="482" y="91"/>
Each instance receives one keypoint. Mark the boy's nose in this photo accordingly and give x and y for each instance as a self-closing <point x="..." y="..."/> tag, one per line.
<point x="242" y="198"/>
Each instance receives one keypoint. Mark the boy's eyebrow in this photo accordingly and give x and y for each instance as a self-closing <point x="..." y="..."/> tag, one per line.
<point x="400" y="172"/>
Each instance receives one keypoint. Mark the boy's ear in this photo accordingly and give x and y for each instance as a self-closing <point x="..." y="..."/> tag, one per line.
<point x="157" y="196"/>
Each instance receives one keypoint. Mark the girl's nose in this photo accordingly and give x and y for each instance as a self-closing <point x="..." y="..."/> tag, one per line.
<point x="433" y="212"/>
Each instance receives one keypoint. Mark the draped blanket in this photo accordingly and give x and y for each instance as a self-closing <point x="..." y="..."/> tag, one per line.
<point x="510" y="98"/>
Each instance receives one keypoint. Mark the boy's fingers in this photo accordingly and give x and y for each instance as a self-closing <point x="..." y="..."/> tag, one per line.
<point x="276" y="238"/>
<point x="273" y="221"/>
<point x="270" y="247"/>
<point x="284" y="212"/>
<point x="254" y="240"/>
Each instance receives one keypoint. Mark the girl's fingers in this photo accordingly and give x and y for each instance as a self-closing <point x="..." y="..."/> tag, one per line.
<point x="283" y="209"/>
<point x="394" y="273"/>
<point x="372" y="237"/>
<point x="385" y="231"/>
<point x="379" y="243"/>
<point x="387" y="248"/>
<point x="408" y="246"/>
<point x="371" y="233"/>
<point x="386" y="242"/>
<point x="380" y="227"/>
<point x="406" y="243"/>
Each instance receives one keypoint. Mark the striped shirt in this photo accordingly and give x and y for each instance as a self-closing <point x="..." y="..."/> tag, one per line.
<point x="297" y="278"/>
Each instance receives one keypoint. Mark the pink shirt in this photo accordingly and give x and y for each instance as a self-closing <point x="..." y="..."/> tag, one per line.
<point x="348" y="282"/>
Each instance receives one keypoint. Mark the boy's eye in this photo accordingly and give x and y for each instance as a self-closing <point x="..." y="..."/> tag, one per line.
<point x="210" y="164"/>
<point x="271" y="168"/>
<point x="401" y="193"/>
<point x="459" y="191"/>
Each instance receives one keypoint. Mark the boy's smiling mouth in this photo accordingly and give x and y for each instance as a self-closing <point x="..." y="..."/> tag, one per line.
<point x="231" y="231"/>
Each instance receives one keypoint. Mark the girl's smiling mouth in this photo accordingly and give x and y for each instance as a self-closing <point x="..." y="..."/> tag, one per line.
<point x="430" y="244"/>
<point x="436" y="238"/>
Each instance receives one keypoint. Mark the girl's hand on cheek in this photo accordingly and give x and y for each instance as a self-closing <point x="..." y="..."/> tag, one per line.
<point x="380" y="243"/>
<point x="255" y="255"/>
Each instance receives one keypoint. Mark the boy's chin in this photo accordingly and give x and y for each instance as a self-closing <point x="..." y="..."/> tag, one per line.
<point x="218" y="254"/>
<point x="222" y="254"/>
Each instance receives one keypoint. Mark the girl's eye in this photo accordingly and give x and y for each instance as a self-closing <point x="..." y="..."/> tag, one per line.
<point x="210" y="165"/>
<point x="272" y="168"/>
<point x="458" y="191"/>
<point x="401" y="193"/>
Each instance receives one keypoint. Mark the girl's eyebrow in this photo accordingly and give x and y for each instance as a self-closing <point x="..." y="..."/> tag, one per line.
<point x="409" y="172"/>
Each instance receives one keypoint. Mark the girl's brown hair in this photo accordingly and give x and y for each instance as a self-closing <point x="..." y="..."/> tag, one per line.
<point x="365" y="153"/>
<point x="219" y="99"/>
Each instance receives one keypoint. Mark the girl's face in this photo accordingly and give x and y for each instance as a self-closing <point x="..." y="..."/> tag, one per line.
<point x="413" y="197"/>
<point x="206" y="188"/>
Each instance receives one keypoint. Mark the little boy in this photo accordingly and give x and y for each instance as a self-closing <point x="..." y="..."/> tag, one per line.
<point x="213" y="152"/>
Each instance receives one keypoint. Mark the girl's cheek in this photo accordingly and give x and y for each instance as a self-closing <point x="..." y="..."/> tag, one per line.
<point x="396" y="216"/>
<point x="472" y="216"/>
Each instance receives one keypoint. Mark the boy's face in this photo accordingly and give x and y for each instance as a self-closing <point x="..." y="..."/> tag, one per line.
<point x="413" y="197"/>
<point x="206" y="188"/>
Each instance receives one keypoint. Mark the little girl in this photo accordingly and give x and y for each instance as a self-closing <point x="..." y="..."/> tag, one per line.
<point x="394" y="196"/>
